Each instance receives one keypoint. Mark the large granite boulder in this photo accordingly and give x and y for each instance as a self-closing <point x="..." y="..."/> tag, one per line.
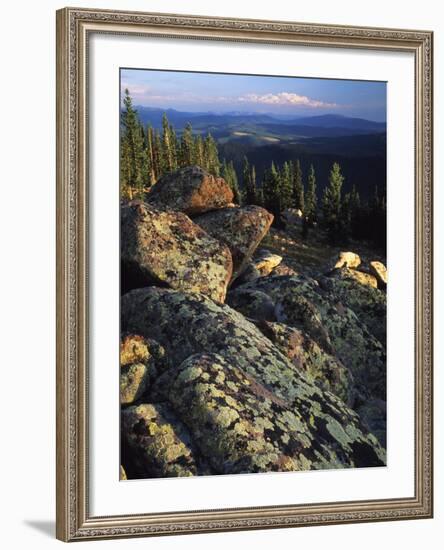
<point x="155" y="443"/>
<point x="241" y="229"/>
<point x="302" y="303"/>
<point x="240" y="426"/>
<point x="167" y="248"/>
<point x="191" y="190"/>
<point x="188" y="324"/>
<point x="252" y="303"/>
<point x="321" y="367"/>
<point x="367" y="302"/>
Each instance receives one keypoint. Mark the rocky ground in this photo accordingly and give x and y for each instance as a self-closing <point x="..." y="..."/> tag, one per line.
<point x="244" y="348"/>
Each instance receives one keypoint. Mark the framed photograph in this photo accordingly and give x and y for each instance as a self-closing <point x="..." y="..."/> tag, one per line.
<point x="244" y="274"/>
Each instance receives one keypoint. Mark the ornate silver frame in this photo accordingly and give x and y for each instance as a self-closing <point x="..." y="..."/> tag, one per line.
<point x="74" y="521"/>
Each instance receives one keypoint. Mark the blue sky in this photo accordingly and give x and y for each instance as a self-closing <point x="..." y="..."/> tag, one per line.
<point x="202" y="92"/>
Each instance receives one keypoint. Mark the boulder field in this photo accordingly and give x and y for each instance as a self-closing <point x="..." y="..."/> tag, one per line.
<point x="230" y="362"/>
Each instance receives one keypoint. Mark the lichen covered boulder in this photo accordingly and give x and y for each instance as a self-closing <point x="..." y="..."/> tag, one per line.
<point x="141" y="361"/>
<point x="240" y="426"/>
<point x="321" y="367"/>
<point x="202" y="326"/>
<point x="155" y="443"/>
<point x="168" y="249"/>
<point x="241" y="229"/>
<point x="191" y="190"/>
<point x="367" y="302"/>
<point x="322" y="314"/>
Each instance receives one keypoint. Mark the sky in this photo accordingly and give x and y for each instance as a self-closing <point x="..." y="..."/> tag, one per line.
<point x="221" y="93"/>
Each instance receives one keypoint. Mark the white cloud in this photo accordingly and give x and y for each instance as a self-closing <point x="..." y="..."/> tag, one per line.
<point x="285" y="98"/>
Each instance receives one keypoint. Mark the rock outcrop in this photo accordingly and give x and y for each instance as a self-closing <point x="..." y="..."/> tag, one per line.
<point x="193" y="324"/>
<point x="289" y="374"/>
<point x="167" y="248"/>
<point x="241" y="229"/>
<point x="191" y="190"/>
<point x="302" y="303"/>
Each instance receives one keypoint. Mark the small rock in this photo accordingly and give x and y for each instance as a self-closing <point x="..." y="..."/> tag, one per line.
<point x="252" y="303"/>
<point x="380" y="272"/>
<point x="345" y="259"/>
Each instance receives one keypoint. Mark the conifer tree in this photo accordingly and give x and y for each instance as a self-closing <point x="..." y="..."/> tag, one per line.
<point x="298" y="186"/>
<point x="133" y="165"/>
<point x="331" y="204"/>
<point x="229" y="174"/>
<point x="211" y="156"/>
<point x="167" y="146"/>
<point x="187" y="146"/>
<point x="285" y="187"/>
<point x="199" y="151"/>
<point x="271" y="191"/>
<point x="249" y="182"/>
<point x="311" y="199"/>
<point x="150" y="155"/>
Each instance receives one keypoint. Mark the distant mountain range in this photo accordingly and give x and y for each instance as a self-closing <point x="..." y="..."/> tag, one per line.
<point x="314" y="126"/>
<point x="359" y="145"/>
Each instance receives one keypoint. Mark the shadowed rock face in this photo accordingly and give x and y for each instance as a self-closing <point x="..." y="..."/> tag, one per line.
<point x="167" y="248"/>
<point x="241" y="229"/>
<point x="191" y="190"/>
<point x="327" y="432"/>
<point x="158" y="441"/>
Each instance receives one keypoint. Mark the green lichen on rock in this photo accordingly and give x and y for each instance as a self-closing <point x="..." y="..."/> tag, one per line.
<point x="155" y="443"/>
<point x="192" y="324"/>
<point x="367" y="302"/>
<point x="244" y="427"/>
<point x="321" y="312"/>
<point x="167" y="248"/>
<point x="321" y="367"/>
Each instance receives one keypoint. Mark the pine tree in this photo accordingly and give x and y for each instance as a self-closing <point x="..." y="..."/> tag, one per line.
<point x="199" y="151"/>
<point x="167" y="146"/>
<point x="211" y="156"/>
<point x="331" y="204"/>
<point x="311" y="200"/>
<point x="298" y="186"/>
<point x="150" y="155"/>
<point x="285" y="187"/>
<point x="229" y="174"/>
<point x="249" y="182"/>
<point x="133" y="164"/>
<point x="271" y="191"/>
<point x="187" y="146"/>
